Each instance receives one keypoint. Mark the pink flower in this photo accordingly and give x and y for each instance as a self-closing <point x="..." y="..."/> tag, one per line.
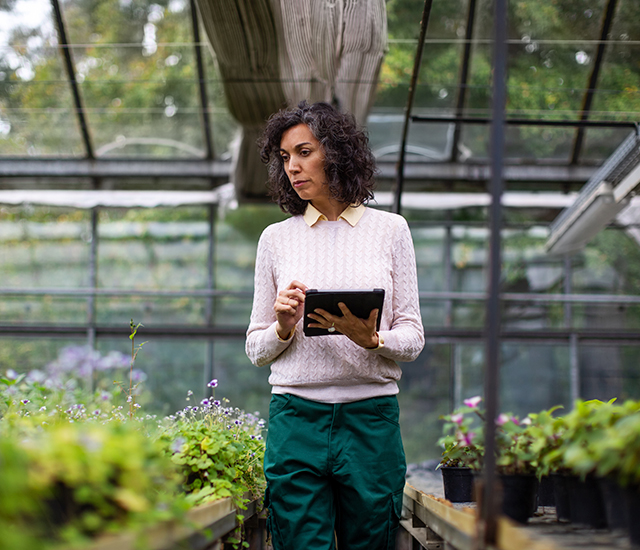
<point x="473" y="402"/>
<point x="457" y="418"/>
<point x="465" y="439"/>
<point x="504" y="418"/>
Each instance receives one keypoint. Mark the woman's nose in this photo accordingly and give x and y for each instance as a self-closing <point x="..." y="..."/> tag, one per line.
<point x="294" y="166"/>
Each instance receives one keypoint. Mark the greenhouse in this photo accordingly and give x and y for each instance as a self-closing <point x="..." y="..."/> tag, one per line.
<point x="133" y="196"/>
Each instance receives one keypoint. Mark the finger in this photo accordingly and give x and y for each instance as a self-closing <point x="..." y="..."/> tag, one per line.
<point x="297" y="286"/>
<point x="325" y="315"/>
<point x="373" y="317"/>
<point x="345" y="310"/>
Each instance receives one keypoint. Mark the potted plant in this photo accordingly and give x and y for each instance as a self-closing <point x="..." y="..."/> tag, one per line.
<point x="587" y="434"/>
<point x="462" y="441"/>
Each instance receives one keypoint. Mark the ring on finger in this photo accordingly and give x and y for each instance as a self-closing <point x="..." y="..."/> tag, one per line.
<point x="332" y="328"/>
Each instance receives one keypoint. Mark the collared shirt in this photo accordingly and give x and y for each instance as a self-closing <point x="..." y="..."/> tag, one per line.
<point x="351" y="215"/>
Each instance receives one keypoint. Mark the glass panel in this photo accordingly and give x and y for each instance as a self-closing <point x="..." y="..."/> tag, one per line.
<point x="44" y="247"/>
<point x="36" y="108"/>
<point x="618" y="93"/>
<point x="45" y="183"/>
<point x="599" y="143"/>
<point x="609" y="371"/>
<point x="140" y="22"/>
<point x="155" y="249"/>
<point x="608" y="265"/>
<point x="148" y="133"/>
<point x="532" y="376"/>
<point x="424" y="396"/>
<point x="25" y="354"/>
<point x="556" y="20"/>
<point x="141" y="95"/>
<point x="38" y="310"/>
<point x="173" y="367"/>
<point x="223" y="126"/>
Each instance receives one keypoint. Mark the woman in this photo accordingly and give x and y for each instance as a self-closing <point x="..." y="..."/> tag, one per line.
<point x="334" y="462"/>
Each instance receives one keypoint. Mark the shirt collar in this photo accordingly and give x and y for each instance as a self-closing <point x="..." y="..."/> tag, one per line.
<point x="351" y="215"/>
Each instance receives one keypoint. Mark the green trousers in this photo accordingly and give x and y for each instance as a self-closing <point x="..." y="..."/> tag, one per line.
<point x="335" y="472"/>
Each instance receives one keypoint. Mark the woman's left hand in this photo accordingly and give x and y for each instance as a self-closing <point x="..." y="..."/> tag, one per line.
<point x="361" y="331"/>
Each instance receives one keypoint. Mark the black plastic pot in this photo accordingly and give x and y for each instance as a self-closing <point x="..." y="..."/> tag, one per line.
<point x="545" y="492"/>
<point x="586" y="503"/>
<point x="458" y="484"/>
<point x="615" y="506"/>
<point x="561" y="497"/>
<point x="632" y="500"/>
<point x="519" y="496"/>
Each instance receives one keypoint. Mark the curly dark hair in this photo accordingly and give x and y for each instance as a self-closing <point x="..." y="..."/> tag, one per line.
<point x="349" y="162"/>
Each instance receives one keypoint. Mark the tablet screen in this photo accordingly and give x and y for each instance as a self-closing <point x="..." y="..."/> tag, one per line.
<point x="359" y="302"/>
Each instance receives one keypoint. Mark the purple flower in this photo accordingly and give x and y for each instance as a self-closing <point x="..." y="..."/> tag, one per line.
<point x="189" y="393"/>
<point x="11" y="374"/>
<point x="457" y="418"/>
<point x="473" y="402"/>
<point x="177" y="444"/>
<point x="213" y="383"/>
<point x="25" y="401"/>
<point x="216" y="403"/>
<point x="204" y="402"/>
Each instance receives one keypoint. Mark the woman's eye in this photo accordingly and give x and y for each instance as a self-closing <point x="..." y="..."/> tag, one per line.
<point x="284" y="158"/>
<point x="305" y="152"/>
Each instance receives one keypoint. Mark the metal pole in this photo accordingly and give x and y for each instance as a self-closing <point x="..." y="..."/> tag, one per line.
<point x="490" y="501"/>
<point x="464" y="79"/>
<point x="204" y="101"/>
<point x="65" y="50"/>
<point x="574" y="367"/>
<point x="426" y="12"/>
<point x="93" y="279"/>
<point x="209" y="370"/>
<point x="593" y="79"/>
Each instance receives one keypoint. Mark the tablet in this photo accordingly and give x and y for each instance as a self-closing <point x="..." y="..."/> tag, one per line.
<point x="359" y="302"/>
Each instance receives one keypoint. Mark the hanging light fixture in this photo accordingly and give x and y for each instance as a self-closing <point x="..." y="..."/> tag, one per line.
<point x="601" y="199"/>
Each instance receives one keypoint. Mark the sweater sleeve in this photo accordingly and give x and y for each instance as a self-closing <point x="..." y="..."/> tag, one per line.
<point x="262" y="343"/>
<point x="404" y="340"/>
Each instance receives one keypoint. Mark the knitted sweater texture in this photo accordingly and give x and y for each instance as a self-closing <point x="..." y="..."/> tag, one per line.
<point x="377" y="253"/>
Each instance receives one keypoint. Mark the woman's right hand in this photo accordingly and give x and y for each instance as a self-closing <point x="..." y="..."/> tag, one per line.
<point x="289" y="308"/>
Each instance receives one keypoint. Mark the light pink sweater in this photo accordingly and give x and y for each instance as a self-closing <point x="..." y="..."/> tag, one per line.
<point x="376" y="253"/>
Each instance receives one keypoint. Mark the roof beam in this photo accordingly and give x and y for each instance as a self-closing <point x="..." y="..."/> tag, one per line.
<point x="146" y="169"/>
<point x="593" y="79"/>
<point x="464" y="78"/>
<point x="202" y="87"/>
<point x="65" y="51"/>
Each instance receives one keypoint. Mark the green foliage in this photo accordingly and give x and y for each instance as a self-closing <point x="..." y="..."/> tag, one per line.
<point x="74" y="465"/>
<point x="593" y="440"/>
<point x="219" y="450"/>
<point x="80" y="480"/>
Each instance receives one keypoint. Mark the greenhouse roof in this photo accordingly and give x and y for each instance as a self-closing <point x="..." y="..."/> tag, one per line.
<point x="129" y="95"/>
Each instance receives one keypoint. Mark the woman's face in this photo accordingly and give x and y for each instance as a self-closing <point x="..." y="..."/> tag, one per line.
<point x="303" y="160"/>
